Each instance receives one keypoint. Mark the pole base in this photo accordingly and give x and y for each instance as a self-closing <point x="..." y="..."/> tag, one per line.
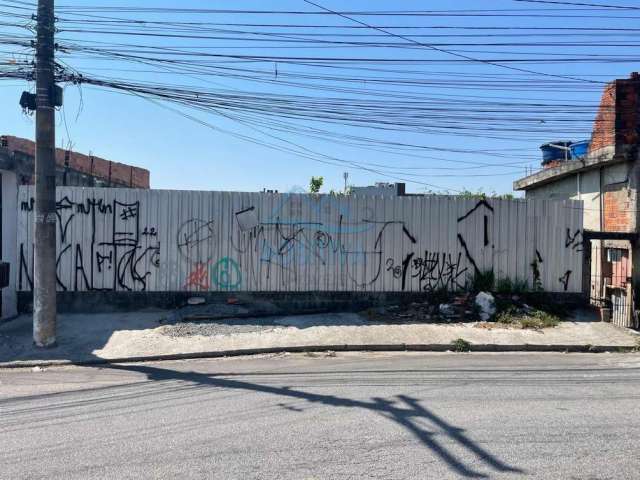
<point x="46" y="346"/>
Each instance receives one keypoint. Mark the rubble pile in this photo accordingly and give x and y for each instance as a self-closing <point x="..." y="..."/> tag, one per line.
<point x="458" y="308"/>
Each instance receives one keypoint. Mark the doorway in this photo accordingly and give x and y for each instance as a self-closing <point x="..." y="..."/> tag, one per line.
<point x="609" y="263"/>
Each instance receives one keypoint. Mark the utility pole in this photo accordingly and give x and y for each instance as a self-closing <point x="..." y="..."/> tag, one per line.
<point x="44" y="275"/>
<point x="345" y="175"/>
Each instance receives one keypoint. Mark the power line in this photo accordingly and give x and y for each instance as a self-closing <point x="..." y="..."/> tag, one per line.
<point x="448" y="52"/>
<point x="388" y="101"/>
<point x="580" y="4"/>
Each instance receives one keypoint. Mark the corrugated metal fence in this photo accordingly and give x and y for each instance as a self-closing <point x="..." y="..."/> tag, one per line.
<point x="156" y="240"/>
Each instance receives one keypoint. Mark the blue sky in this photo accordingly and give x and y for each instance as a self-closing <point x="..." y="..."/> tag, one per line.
<point x="182" y="154"/>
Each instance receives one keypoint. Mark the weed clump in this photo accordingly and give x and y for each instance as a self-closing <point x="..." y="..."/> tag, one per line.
<point x="507" y="286"/>
<point x="483" y="281"/>
<point x="533" y="319"/>
<point x="461" y="345"/>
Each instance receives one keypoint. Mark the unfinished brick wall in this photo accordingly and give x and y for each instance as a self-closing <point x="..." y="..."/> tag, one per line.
<point x="628" y="115"/>
<point x="552" y="164"/>
<point x="618" y="209"/>
<point x="618" y="119"/>
<point x="604" y="126"/>
<point x="108" y="171"/>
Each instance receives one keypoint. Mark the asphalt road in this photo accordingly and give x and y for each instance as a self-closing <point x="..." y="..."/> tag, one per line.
<point x="400" y="416"/>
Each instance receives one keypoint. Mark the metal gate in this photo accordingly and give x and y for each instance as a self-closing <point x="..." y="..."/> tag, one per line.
<point x="610" y="280"/>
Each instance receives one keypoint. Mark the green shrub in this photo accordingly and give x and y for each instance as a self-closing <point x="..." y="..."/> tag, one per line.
<point x="546" y="319"/>
<point x="483" y="281"/>
<point x="506" y="285"/>
<point x="460" y="345"/>
<point x="506" y="316"/>
<point x="535" y="320"/>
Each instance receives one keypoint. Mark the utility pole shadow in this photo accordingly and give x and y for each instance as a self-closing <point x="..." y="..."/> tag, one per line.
<point x="404" y="411"/>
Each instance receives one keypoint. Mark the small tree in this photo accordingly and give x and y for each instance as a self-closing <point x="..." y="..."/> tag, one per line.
<point x="316" y="184"/>
<point x="481" y="195"/>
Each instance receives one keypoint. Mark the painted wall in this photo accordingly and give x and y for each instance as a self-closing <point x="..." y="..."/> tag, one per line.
<point x="9" y="238"/>
<point x="122" y="239"/>
<point x="609" y="195"/>
<point x="584" y="186"/>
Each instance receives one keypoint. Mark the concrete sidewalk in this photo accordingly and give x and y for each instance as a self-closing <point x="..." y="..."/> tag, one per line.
<point x="147" y="335"/>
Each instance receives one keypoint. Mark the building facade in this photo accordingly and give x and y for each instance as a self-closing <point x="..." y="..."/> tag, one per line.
<point x="606" y="181"/>
<point x="17" y="162"/>
<point x="73" y="169"/>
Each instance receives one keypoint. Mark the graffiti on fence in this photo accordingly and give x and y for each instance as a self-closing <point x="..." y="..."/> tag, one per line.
<point x="282" y="248"/>
<point x="574" y="241"/>
<point x="289" y="242"/>
<point x="536" y="265"/>
<point x="226" y="274"/>
<point x="472" y="249"/>
<point x="564" y="280"/>
<point x="434" y="271"/>
<point x="120" y="257"/>
<point x="198" y="278"/>
<point x="195" y="239"/>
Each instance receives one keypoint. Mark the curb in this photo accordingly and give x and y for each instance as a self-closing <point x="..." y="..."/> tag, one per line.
<point x="436" y="347"/>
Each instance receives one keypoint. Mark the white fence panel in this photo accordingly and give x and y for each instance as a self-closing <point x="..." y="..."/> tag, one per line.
<point x="155" y="240"/>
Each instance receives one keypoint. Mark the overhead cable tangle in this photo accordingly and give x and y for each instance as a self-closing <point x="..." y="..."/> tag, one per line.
<point x="448" y="52"/>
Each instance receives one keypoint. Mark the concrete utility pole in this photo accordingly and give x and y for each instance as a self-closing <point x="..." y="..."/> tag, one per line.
<point x="44" y="275"/>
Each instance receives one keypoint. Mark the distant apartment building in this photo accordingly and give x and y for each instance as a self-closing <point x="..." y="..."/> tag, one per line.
<point x="380" y="189"/>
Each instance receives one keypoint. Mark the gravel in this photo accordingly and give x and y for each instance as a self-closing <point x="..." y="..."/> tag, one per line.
<point x="232" y="326"/>
<point x="229" y="326"/>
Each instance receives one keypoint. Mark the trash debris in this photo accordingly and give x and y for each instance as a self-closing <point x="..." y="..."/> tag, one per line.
<point x="483" y="309"/>
<point x="196" y="301"/>
<point x="487" y="305"/>
<point x="446" y="309"/>
<point x="38" y="369"/>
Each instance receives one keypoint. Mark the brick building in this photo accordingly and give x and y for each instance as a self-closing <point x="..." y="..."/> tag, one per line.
<point x="17" y="161"/>
<point x="72" y="168"/>
<point x="606" y="180"/>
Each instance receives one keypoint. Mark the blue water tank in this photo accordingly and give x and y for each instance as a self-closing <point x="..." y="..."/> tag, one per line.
<point x="551" y="152"/>
<point x="580" y="149"/>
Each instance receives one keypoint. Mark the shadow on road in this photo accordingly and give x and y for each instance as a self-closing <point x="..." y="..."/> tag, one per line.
<point x="80" y="336"/>
<point x="403" y="410"/>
